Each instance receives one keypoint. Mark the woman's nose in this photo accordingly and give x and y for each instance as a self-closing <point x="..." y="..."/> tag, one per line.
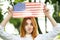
<point x="28" y="25"/>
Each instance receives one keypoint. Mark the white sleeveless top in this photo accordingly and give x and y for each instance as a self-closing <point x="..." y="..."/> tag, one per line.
<point x="49" y="36"/>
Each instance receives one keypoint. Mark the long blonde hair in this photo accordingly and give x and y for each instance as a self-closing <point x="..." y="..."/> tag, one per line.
<point x="22" y="30"/>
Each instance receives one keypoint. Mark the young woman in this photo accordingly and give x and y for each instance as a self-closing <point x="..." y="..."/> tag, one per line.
<point x="28" y="29"/>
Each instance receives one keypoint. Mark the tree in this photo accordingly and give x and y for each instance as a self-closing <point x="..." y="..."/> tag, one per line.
<point x="1" y="16"/>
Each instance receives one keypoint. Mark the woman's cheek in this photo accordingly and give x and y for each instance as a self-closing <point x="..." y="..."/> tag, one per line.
<point x="28" y="29"/>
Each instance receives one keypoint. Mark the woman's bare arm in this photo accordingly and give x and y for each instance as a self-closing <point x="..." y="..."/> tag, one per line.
<point x="54" y="23"/>
<point x="47" y="14"/>
<point x="3" y="23"/>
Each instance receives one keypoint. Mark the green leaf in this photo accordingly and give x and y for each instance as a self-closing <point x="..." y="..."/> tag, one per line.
<point x="1" y="16"/>
<point x="16" y="1"/>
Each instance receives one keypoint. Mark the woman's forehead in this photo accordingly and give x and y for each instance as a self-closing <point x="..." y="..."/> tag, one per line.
<point x="28" y="21"/>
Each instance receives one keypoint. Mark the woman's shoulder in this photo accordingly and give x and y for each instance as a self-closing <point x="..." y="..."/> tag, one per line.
<point x="39" y="37"/>
<point x="57" y="27"/>
<point x="1" y="27"/>
<point x="58" y="24"/>
<point x="43" y="36"/>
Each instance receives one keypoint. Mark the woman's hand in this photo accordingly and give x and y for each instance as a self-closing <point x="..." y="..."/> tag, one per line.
<point x="47" y="14"/>
<point x="46" y="11"/>
<point x="10" y="11"/>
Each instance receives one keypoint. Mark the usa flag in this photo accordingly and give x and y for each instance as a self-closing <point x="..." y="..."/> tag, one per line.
<point x="31" y="10"/>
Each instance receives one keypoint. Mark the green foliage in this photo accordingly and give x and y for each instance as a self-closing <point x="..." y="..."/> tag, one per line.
<point x="16" y="1"/>
<point x="29" y="0"/>
<point x="59" y="14"/>
<point x="16" y="22"/>
<point x="56" y="17"/>
<point x="56" y="14"/>
<point x="58" y="36"/>
<point x="19" y="1"/>
<point x="54" y="1"/>
<point x="1" y="16"/>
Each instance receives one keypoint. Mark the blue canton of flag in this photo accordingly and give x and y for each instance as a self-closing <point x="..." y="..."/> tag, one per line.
<point x="19" y="7"/>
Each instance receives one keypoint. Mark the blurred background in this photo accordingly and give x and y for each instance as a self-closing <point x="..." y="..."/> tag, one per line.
<point x="44" y="25"/>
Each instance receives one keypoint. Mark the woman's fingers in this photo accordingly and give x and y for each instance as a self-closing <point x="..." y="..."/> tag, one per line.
<point x="46" y="11"/>
<point x="10" y="11"/>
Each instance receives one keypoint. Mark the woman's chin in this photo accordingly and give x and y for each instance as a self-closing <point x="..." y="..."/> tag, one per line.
<point x="29" y="32"/>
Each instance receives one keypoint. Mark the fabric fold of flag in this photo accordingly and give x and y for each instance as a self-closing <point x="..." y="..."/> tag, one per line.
<point x="31" y="10"/>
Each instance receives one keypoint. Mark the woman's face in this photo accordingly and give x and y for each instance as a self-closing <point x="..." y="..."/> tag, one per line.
<point x="28" y="26"/>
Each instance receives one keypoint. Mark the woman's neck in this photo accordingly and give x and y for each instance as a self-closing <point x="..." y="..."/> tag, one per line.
<point x="28" y="35"/>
